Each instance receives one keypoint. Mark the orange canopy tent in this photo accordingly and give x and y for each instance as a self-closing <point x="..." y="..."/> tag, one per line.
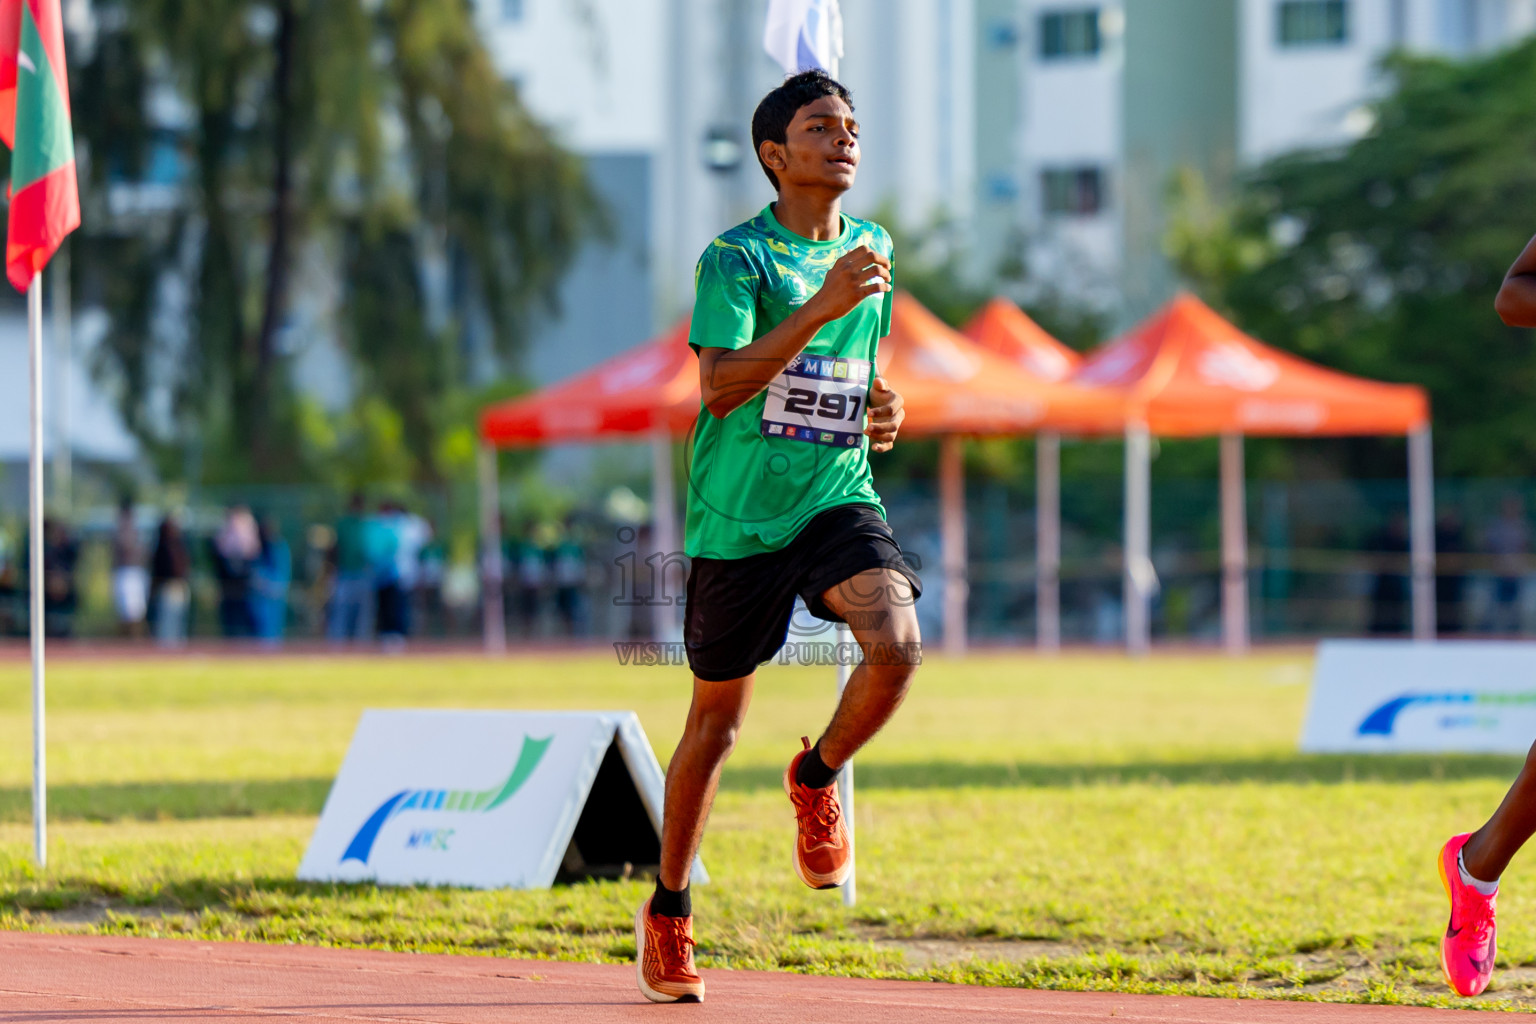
<point x="1002" y="327"/>
<point x="1187" y="372"/>
<point x="952" y="385"/>
<point x="653" y="387"/>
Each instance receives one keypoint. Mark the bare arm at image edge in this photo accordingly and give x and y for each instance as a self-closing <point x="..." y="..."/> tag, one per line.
<point x="1516" y="303"/>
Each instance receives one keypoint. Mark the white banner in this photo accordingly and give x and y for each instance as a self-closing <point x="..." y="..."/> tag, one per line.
<point x="484" y="799"/>
<point x="1391" y="696"/>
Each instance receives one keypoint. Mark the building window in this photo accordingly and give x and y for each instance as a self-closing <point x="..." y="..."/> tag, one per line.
<point x="1313" y="22"/>
<point x="1067" y="34"/>
<point x="511" y="10"/>
<point x="1072" y="191"/>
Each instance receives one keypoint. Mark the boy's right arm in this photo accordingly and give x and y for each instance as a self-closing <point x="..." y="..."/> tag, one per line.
<point x="1517" y="298"/>
<point x="729" y="378"/>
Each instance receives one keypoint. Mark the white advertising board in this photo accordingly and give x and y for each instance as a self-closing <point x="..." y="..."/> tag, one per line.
<point x="482" y="799"/>
<point x="1391" y="696"/>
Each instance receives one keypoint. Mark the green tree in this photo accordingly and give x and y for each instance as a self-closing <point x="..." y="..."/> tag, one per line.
<point x="372" y="137"/>
<point x="1382" y="258"/>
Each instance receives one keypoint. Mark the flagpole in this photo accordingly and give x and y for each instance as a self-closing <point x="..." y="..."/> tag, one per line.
<point x="35" y="576"/>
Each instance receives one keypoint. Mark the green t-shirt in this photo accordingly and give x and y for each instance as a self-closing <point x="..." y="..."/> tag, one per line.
<point x="797" y="448"/>
<point x="351" y="549"/>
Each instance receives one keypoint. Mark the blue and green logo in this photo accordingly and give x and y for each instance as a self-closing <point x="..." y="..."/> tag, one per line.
<point x="480" y="801"/>
<point x="1383" y="719"/>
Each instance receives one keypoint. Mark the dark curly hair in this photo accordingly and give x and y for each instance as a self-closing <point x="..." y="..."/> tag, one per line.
<point x="770" y="122"/>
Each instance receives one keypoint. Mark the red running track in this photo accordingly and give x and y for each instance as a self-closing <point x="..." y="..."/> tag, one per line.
<point x="112" y="980"/>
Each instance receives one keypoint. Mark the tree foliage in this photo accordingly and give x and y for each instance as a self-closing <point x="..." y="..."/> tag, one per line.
<point x="1383" y="258"/>
<point x="367" y="143"/>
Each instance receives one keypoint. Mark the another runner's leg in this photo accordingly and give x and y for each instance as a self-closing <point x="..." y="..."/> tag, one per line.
<point x="1490" y="848"/>
<point x="1470" y="866"/>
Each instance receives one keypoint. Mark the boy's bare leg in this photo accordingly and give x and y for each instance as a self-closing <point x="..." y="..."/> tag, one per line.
<point x="693" y="774"/>
<point x="878" y="607"/>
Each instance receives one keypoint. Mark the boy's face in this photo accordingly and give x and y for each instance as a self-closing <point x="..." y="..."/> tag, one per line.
<point x="820" y="148"/>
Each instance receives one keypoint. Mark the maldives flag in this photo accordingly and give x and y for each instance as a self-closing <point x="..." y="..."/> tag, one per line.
<point x="35" y="124"/>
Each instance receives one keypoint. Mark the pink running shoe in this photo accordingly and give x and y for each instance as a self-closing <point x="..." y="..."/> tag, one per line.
<point x="1469" y="946"/>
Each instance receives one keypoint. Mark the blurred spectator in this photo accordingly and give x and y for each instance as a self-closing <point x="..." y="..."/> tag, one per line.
<point x="235" y="549"/>
<point x="270" y="576"/>
<point x="318" y="569"/>
<point x="1508" y="539"/>
<point x="532" y="574"/>
<point x="12" y="600"/>
<point x="1389" y="590"/>
<point x="1450" y="584"/>
<point x="130" y="581"/>
<point x="570" y="573"/>
<point x="171" y="574"/>
<point x="412" y="535"/>
<point x="382" y="541"/>
<point x="60" y="553"/>
<point x="351" y="596"/>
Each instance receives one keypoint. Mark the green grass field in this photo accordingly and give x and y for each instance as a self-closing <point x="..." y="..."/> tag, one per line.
<point x="1079" y="822"/>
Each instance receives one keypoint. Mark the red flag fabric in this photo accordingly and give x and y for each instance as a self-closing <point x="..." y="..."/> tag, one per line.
<point x="35" y="124"/>
<point x="10" y="45"/>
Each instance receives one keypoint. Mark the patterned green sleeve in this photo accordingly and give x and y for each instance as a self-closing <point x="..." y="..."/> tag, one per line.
<point x="725" y="299"/>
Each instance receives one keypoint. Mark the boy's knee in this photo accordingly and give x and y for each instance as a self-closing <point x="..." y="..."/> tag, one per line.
<point x="893" y="665"/>
<point x="717" y="732"/>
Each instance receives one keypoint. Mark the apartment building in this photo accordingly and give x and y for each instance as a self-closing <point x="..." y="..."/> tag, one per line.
<point x="1113" y="96"/>
<point x="1042" y="131"/>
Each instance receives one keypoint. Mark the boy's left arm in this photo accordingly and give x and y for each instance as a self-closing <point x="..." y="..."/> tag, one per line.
<point x="1516" y="303"/>
<point x="886" y="414"/>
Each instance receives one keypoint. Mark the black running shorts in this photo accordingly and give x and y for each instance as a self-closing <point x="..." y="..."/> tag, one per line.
<point x="739" y="609"/>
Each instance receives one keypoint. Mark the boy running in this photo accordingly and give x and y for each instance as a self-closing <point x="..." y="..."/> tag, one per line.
<point x="1468" y="949"/>
<point x="789" y="310"/>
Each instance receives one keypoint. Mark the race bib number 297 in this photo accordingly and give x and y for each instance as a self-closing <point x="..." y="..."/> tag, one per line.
<point x="818" y="399"/>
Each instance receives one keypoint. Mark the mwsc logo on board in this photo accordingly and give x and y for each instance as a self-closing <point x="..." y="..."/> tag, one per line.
<point x="471" y="801"/>
<point x="1383" y="719"/>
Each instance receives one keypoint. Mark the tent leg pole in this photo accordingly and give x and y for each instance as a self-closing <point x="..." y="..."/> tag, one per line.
<point x="1234" y="547"/>
<point x="1421" y="516"/>
<point x="663" y="537"/>
<point x="1138" y="502"/>
<point x="952" y="543"/>
<point x="494" y="621"/>
<point x="1048" y="542"/>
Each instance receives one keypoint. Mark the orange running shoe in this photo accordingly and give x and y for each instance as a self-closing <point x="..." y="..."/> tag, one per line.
<point x="823" y="847"/>
<point x="664" y="958"/>
<point x="1470" y="943"/>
